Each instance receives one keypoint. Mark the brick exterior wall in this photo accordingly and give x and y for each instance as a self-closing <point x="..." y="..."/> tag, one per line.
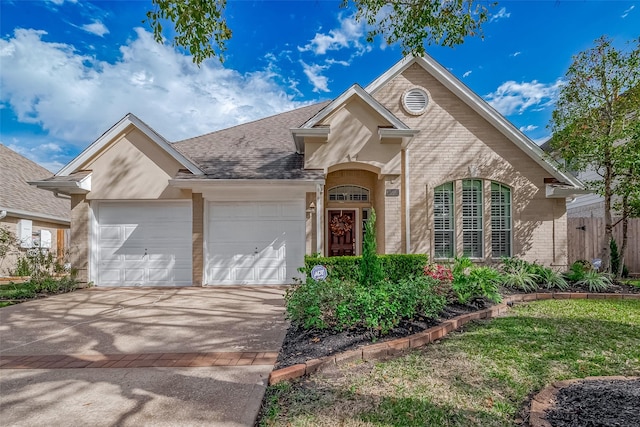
<point x="454" y="141"/>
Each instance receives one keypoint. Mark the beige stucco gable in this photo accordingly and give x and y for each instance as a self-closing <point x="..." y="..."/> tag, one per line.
<point x="354" y="138"/>
<point x="132" y="166"/>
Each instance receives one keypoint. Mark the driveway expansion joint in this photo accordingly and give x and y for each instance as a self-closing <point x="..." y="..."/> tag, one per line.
<point x="139" y="360"/>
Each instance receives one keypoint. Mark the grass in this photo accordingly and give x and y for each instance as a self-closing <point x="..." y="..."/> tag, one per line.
<point x="479" y="377"/>
<point x="632" y="282"/>
<point x="13" y="293"/>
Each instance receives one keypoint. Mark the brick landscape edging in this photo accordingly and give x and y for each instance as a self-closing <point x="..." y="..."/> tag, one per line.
<point x="400" y="345"/>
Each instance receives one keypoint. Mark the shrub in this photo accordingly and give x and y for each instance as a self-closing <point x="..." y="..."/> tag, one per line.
<point x="578" y="270"/>
<point x="615" y="257"/>
<point x="395" y="267"/>
<point x="23" y="267"/>
<point x="552" y="279"/>
<point x="340" y="305"/>
<point x="402" y="266"/>
<point x="471" y="282"/>
<point x="595" y="281"/>
<point x="370" y="268"/>
<point x="521" y="278"/>
<point x="439" y="272"/>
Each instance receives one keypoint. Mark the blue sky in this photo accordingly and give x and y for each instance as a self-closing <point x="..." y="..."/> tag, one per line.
<point x="69" y="69"/>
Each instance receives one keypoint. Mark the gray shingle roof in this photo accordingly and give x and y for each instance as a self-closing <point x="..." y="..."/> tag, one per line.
<point x="17" y="195"/>
<point x="262" y="149"/>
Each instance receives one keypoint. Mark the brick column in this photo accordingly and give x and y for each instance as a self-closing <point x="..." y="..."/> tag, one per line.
<point x="80" y="232"/>
<point x="197" y="236"/>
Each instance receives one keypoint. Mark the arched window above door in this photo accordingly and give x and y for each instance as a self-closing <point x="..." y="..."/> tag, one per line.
<point x="348" y="193"/>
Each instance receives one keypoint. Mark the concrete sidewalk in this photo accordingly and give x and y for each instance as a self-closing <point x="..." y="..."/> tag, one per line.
<point x="177" y="356"/>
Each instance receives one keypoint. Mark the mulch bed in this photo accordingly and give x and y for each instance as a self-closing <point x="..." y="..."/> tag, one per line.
<point x="597" y="403"/>
<point x="301" y="345"/>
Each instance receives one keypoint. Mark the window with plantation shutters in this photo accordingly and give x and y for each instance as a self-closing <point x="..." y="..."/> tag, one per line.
<point x="500" y="220"/>
<point x="415" y="101"/>
<point x="444" y="221"/>
<point x="472" y="233"/>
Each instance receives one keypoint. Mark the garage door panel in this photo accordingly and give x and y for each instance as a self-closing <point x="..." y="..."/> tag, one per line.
<point x="144" y="244"/>
<point x="245" y="274"/>
<point x="250" y="242"/>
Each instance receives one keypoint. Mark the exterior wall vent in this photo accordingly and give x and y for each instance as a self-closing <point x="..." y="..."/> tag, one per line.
<point x="415" y="101"/>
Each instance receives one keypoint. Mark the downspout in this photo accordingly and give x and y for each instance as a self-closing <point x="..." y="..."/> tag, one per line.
<point x="407" y="204"/>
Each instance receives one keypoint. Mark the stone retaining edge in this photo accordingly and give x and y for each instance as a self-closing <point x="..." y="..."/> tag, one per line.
<point x="398" y="346"/>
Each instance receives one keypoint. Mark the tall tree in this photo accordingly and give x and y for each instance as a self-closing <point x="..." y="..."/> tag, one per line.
<point x="201" y="27"/>
<point x="594" y="124"/>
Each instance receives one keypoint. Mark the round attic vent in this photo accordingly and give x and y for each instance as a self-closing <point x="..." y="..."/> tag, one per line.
<point x="415" y="101"/>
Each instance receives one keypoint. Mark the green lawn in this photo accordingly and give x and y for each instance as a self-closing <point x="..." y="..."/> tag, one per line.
<point x="479" y="377"/>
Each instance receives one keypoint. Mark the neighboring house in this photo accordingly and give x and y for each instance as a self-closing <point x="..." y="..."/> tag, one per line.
<point x="37" y="218"/>
<point x="446" y="174"/>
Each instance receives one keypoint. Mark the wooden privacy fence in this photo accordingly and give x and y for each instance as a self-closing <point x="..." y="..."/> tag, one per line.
<point x="585" y="238"/>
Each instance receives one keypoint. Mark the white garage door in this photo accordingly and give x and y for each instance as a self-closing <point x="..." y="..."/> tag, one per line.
<point x="144" y="244"/>
<point x="258" y="243"/>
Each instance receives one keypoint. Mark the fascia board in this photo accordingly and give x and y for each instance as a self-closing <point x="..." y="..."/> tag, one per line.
<point x="65" y="187"/>
<point x="117" y="129"/>
<point x="397" y="133"/>
<point x="18" y="213"/>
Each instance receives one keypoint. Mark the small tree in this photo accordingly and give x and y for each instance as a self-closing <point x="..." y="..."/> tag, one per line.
<point x="370" y="268"/>
<point x="594" y="122"/>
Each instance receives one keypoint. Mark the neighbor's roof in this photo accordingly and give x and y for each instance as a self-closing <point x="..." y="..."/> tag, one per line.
<point x="262" y="149"/>
<point x="19" y="198"/>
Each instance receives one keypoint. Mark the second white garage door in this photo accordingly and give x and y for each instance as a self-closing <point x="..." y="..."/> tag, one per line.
<point x="259" y="243"/>
<point x="143" y="244"/>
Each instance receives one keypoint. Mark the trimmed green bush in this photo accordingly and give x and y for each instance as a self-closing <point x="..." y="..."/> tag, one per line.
<point x="341" y="305"/>
<point x="395" y="267"/>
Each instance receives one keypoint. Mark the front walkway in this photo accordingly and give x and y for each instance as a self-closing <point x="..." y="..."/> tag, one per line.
<point x="140" y="356"/>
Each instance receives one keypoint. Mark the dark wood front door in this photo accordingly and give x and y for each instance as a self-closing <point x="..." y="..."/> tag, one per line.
<point x="342" y="232"/>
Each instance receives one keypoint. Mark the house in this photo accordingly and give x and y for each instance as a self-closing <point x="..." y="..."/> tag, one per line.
<point x="446" y="174"/>
<point x="37" y="218"/>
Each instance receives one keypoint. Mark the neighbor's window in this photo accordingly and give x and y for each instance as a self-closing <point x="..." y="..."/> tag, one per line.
<point x="500" y="220"/>
<point x="349" y="193"/>
<point x="444" y="223"/>
<point x="472" y="240"/>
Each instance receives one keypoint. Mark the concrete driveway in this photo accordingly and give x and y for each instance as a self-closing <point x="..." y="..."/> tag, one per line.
<point x="140" y="356"/>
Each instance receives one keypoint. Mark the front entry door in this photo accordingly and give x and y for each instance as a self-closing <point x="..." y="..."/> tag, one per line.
<point x="342" y="232"/>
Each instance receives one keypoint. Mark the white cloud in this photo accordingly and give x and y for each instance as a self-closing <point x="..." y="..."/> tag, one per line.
<point x="626" y="12"/>
<point x="514" y="54"/>
<point x="349" y="35"/>
<point x="48" y="155"/>
<point x="97" y="28"/>
<point x="528" y="128"/>
<point x="467" y="74"/>
<point x="502" y="13"/>
<point x="313" y="72"/>
<point x="513" y="97"/>
<point x="74" y="97"/>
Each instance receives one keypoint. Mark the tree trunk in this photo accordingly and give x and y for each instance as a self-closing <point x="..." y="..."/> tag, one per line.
<point x="625" y="233"/>
<point x="608" y="226"/>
